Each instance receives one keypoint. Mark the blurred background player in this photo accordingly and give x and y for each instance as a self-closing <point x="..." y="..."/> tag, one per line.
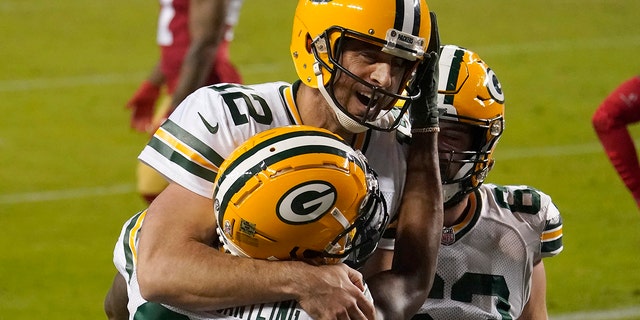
<point x="620" y="109"/>
<point x="194" y="37"/>
<point x="494" y="237"/>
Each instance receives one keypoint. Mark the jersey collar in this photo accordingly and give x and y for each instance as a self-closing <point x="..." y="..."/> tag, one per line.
<point x="471" y="215"/>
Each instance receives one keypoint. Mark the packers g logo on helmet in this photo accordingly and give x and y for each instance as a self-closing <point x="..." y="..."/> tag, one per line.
<point x="469" y="93"/>
<point x="306" y="202"/>
<point x="298" y="192"/>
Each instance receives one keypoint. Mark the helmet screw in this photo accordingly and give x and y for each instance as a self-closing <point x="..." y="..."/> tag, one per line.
<point x="295" y="54"/>
<point x="371" y="31"/>
<point x="496" y="128"/>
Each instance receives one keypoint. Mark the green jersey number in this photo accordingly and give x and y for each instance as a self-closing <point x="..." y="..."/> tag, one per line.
<point x="251" y="100"/>
<point x="475" y="284"/>
<point x="525" y="200"/>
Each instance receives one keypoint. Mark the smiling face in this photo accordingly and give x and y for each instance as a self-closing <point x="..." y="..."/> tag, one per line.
<point x="370" y="75"/>
<point x="365" y="84"/>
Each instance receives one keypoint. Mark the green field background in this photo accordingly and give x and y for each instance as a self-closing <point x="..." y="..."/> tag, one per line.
<point x="67" y="155"/>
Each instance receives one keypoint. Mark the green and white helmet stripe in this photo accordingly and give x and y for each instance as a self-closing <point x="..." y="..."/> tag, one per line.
<point x="263" y="155"/>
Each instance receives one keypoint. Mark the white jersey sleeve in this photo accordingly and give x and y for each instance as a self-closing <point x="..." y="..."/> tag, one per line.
<point x="208" y="125"/>
<point x="536" y="209"/>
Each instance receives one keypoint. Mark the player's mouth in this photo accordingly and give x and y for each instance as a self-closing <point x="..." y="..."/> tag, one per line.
<point x="370" y="101"/>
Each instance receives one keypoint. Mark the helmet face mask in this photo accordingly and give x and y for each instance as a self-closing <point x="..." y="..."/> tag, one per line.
<point x="364" y="234"/>
<point x="377" y="99"/>
<point x="396" y="28"/>
<point x="471" y="105"/>
<point x="463" y="162"/>
<point x="299" y="193"/>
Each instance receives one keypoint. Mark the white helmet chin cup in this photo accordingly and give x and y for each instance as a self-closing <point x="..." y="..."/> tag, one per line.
<point x="354" y="127"/>
<point x="345" y="121"/>
<point x="450" y="190"/>
<point x="455" y="186"/>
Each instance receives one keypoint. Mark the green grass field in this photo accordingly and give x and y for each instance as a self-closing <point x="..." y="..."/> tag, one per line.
<point x="67" y="154"/>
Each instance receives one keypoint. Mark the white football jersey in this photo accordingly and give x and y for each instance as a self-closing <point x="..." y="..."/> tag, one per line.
<point x="485" y="262"/>
<point x="210" y="123"/>
<point x="191" y="145"/>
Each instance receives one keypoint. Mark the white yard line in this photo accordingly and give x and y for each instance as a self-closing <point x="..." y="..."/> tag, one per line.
<point x="547" y="151"/>
<point x="65" y="194"/>
<point x="622" y="313"/>
<point x="560" y="45"/>
<point x="106" y="79"/>
<point x="68" y="82"/>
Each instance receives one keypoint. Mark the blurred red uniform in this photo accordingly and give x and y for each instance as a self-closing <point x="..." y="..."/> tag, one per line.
<point x="610" y="121"/>
<point x="194" y="37"/>
<point x="174" y="41"/>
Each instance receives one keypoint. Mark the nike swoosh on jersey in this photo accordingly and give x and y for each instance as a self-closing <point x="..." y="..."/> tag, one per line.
<point x="212" y="129"/>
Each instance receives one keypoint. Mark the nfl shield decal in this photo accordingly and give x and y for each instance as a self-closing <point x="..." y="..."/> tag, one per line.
<point x="448" y="236"/>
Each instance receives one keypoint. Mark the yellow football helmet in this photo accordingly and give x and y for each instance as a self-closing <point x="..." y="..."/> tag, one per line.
<point x="301" y="193"/>
<point x="469" y="93"/>
<point x="322" y="28"/>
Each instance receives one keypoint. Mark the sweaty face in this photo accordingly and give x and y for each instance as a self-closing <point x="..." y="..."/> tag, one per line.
<point x="376" y="72"/>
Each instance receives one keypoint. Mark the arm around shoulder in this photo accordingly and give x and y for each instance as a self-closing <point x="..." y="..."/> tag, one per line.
<point x="177" y="265"/>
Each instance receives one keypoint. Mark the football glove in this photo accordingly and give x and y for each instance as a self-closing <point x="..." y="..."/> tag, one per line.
<point x="424" y="109"/>
<point x="142" y="105"/>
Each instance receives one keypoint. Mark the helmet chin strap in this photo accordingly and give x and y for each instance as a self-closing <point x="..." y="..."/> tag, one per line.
<point x="344" y="120"/>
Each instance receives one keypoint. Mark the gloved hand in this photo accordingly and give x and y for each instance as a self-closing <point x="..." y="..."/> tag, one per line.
<point x="142" y="105"/>
<point x="424" y="109"/>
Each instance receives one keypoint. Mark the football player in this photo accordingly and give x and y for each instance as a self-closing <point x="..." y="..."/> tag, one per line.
<point x="494" y="237"/>
<point x="288" y="193"/>
<point x="194" y="38"/>
<point x="354" y="59"/>
<point x="620" y="109"/>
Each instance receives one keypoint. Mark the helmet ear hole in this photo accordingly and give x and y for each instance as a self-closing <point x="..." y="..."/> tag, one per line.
<point x="308" y="43"/>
